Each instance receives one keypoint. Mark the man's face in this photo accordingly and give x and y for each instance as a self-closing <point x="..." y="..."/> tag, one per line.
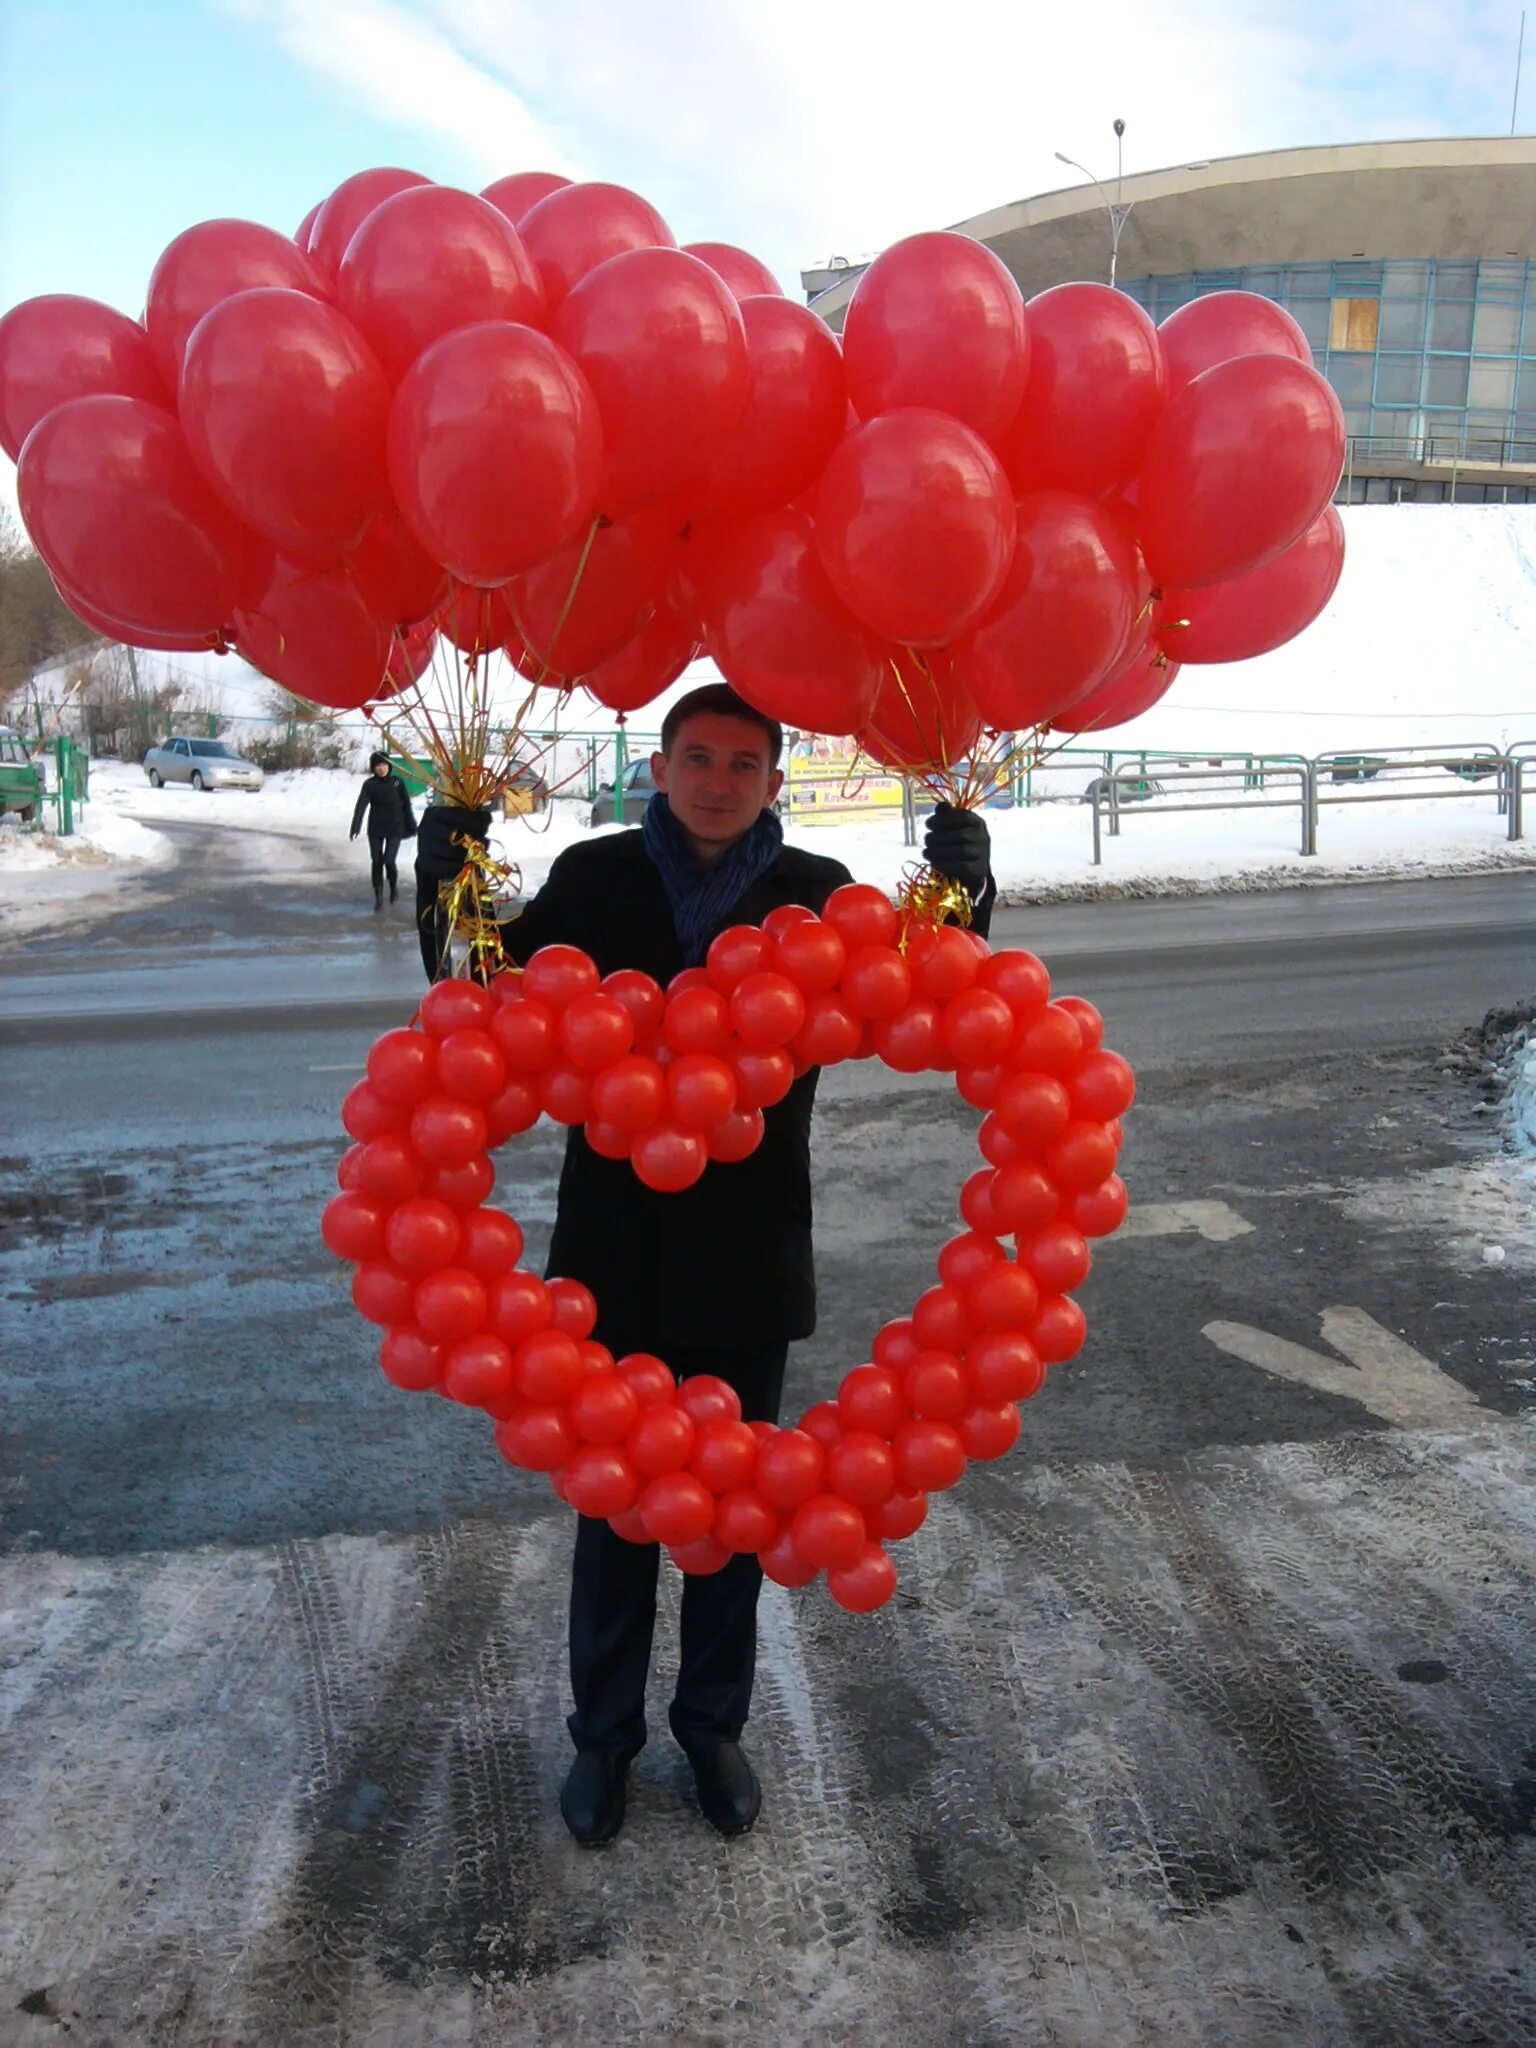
<point x="381" y="767"/>
<point x="717" y="777"/>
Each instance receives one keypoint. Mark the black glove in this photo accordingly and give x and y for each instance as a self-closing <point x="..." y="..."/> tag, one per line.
<point x="958" y="844"/>
<point x="437" y="857"/>
<point x="353" y="833"/>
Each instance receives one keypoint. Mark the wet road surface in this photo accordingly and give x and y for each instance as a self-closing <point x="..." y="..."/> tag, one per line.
<point x="1205" y="1717"/>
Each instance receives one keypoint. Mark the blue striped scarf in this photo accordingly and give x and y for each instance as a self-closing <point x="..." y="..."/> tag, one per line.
<point x="702" y="898"/>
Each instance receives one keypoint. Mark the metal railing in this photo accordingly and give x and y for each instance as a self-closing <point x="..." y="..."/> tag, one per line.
<point x="1459" y="450"/>
<point x="1108" y="798"/>
<point x="1403" y="771"/>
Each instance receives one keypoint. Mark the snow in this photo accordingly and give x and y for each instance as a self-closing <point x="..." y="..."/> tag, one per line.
<point x="1520" y="1102"/>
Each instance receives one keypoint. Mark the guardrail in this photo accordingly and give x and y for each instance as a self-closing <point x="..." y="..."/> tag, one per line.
<point x="1110" y="796"/>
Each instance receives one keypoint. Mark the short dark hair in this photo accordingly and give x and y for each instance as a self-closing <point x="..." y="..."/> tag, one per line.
<point x="719" y="700"/>
<point x="375" y="758"/>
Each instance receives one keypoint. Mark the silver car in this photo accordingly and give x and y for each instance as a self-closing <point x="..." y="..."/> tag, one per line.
<point x="206" y="764"/>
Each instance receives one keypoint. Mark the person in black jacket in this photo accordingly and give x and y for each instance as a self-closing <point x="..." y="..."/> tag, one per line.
<point x="718" y="1278"/>
<point x="387" y="803"/>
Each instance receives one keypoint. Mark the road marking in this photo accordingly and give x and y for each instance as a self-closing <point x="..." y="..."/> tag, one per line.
<point x="1213" y="1221"/>
<point x="1384" y="1375"/>
<point x="340" y="1067"/>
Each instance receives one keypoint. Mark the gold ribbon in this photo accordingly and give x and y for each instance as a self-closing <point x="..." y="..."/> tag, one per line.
<point x="928" y="898"/>
<point x="469" y="904"/>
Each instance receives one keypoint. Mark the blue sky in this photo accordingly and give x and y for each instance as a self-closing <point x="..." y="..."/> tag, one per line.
<point x="798" y="127"/>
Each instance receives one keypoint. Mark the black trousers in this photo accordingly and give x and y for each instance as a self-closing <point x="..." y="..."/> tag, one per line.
<point x="613" y="1596"/>
<point x="431" y="926"/>
<point x="382" y="848"/>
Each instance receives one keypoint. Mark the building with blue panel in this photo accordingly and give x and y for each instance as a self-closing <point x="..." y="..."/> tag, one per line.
<point x="1411" y="267"/>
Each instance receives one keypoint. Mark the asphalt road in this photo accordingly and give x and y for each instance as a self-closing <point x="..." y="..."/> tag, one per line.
<point x="1204" y="1717"/>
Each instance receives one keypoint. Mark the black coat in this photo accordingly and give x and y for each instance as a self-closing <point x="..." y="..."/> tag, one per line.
<point x="387" y="802"/>
<point x="727" y="1261"/>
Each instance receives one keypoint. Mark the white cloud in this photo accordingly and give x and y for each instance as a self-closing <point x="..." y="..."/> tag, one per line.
<point x="803" y="127"/>
<point x="405" y="70"/>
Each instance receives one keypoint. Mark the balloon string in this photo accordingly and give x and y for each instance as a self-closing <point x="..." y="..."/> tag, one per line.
<point x="570" y="598"/>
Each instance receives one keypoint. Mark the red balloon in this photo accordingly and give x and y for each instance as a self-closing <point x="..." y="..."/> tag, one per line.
<point x="588" y="602"/>
<point x="929" y="1455"/>
<point x="429" y="260"/>
<point x="209" y="263"/>
<point x="352" y="1226"/>
<point x="811" y="953"/>
<point x="284" y="407"/>
<point x="411" y="1360"/>
<point x="778" y="633"/>
<point x="1241" y="463"/>
<point x="311" y="632"/>
<point x="923" y="717"/>
<point x="305" y="228"/>
<point x="60" y="347"/>
<point x="396" y="576"/>
<point x="477" y="621"/>
<point x="139" y="636"/>
<point x="793" y="418"/>
<point x="1061" y="618"/>
<point x="348" y="207"/>
<point x="1220" y="325"/>
<point x="1261" y="610"/>
<point x="117" y="509"/>
<point x="518" y="194"/>
<point x="495" y="449"/>
<point x="938" y="321"/>
<point x="650" y="662"/>
<point x="600" y="1480"/>
<point x="864" y="1584"/>
<point x="450" y="1304"/>
<point x="915" y="526"/>
<point x="827" y="1530"/>
<point x="1096" y="387"/>
<point x="572" y="230"/>
<point x="1100" y="1211"/>
<point x="677" y="1508"/>
<point x="661" y="341"/>
<point x="668" y="1159"/>
<point x="767" y="1009"/>
<point x="743" y="275"/>
<point x="1122" y="696"/>
<point x="558" y="974"/>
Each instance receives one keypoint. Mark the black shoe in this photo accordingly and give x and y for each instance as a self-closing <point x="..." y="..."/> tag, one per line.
<point x="592" y="1797"/>
<point x="729" y="1795"/>
<point x="378" y="901"/>
<point x="394" y="892"/>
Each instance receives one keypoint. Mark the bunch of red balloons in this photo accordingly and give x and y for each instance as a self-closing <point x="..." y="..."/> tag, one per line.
<point x="671" y="1079"/>
<point x="529" y="421"/>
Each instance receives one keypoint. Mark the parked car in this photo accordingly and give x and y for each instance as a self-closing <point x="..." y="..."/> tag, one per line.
<point x="638" y="791"/>
<point x="21" y="778"/>
<point x="206" y="764"/>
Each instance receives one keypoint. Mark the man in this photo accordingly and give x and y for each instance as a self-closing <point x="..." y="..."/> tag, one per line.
<point x="716" y="1279"/>
<point x="386" y="802"/>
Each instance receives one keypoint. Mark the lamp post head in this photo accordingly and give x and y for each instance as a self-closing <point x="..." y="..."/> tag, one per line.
<point x="1119" y="127"/>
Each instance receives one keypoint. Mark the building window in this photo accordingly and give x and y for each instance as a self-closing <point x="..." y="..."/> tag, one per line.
<point x="1352" y="323"/>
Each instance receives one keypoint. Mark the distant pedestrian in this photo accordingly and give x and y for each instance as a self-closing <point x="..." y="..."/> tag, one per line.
<point x="387" y="803"/>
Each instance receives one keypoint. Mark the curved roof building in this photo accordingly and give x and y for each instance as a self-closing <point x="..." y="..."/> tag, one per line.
<point x="1410" y="265"/>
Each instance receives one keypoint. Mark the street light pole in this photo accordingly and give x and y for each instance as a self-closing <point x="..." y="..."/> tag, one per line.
<point x="1118" y="213"/>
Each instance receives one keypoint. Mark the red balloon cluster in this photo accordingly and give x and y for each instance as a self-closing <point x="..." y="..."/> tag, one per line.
<point x="531" y="405"/>
<point x="671" y="1079"/>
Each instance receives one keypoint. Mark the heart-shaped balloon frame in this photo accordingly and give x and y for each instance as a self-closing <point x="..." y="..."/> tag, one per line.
<point x="672" y="1462"/>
